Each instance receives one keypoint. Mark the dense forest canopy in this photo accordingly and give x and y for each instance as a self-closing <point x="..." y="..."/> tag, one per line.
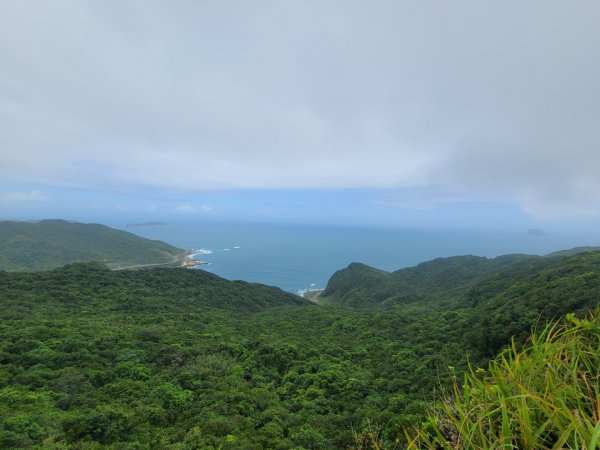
<point x="175" y="358"/>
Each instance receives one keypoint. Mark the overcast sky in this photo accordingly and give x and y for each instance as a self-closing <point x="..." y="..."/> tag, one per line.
<point x="431" y="110"/>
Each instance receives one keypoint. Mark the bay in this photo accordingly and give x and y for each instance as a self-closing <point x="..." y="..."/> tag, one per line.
<point x="294" y="257"/>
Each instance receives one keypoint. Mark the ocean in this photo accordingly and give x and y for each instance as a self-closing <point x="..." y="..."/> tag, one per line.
<point x="296" y="257"/>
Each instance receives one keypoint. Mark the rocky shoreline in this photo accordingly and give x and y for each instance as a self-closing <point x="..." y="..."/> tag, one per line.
<point x="189" y="262"/>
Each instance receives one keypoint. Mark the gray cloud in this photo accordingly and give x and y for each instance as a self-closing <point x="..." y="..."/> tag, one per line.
<point x="486" y="100"/>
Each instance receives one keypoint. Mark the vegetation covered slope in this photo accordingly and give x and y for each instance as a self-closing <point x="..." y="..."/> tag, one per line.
<point x="359" y="285"/>
<point x="48" y="244"/>
<point x="493" y="299"/>
<point x="546" y="396"/>
<point x="504" y="305"/>
<point x="184" y="359"/>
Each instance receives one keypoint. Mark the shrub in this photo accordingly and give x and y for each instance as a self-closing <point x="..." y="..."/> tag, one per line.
<point x="546" y="396"/>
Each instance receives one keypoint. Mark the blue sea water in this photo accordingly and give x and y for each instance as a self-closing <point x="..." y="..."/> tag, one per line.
<point x="294" y="257"/>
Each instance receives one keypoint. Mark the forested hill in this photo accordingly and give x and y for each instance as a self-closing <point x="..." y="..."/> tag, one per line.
<point x="497" y="299"/>
<point x="174" y="358"/>
<point x="444" y="280"/>
<point x="359" y="285"/>
<point x="30" y="246"/>
<point x="157" y="290"/>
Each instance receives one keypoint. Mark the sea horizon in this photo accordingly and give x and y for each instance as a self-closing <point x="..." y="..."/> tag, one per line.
<point x="294" y="257"/>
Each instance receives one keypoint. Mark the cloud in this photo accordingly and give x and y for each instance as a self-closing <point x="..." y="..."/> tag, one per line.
<point x="423" y="199"/>
<point x="494" y="100"/>
<point x="189" y="209"/>
<point x="11" y="198"/>
<point x="552" y="181"/>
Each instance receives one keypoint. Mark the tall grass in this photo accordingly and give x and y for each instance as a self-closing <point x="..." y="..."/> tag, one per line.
<point x="544" y="397"/>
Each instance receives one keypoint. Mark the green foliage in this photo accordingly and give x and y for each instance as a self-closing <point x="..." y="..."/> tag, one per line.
<point x="506" y="304"/>
<point x="174" y="358"/>
<point x="170" y="357"/>
<point x="546" y="396"/>
<point x="53" y="243"/>
<point x="359" y="285"/>
<point x="493" y="300"/>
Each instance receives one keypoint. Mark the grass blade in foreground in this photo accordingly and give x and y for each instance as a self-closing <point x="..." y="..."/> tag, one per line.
<point x="545" y="397"/>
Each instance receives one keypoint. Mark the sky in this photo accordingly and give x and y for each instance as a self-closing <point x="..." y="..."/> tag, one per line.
<point x="430" y="113"/>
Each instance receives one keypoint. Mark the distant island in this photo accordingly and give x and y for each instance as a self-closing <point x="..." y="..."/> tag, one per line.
<point x="535" y="232"/>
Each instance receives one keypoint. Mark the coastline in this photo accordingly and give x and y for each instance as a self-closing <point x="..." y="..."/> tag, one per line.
<point x="189" y="262"/>
<point x="312" y="295"/>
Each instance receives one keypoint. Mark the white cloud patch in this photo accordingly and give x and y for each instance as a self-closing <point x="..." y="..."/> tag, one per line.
<point x="189" y="209"/>
<point x="496" y="100"/>
<point x="11" y="198"/>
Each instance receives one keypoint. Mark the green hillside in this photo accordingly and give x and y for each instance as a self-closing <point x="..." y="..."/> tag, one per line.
<point x="359" y="285"/>
<point x="505" y="304"/>
<point x="93" y="358"/>
<point x="30" y="246"/>
<point x="496" y="298"/>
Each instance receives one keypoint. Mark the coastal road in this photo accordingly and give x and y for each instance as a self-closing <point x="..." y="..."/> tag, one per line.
<point x="176" y="258"/>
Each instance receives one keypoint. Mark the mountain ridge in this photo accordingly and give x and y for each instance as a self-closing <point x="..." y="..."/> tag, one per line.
<point x="359" y="285"/>
<point x="50" y="243"/>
